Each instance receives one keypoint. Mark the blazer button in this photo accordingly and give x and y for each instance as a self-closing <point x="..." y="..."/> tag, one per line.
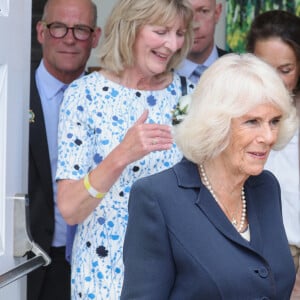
<point x="263" y="272"/>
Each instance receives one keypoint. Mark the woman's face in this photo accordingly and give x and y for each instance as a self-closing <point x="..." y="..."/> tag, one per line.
<point x="282" y="57"/>
<point x="155" y="46"/>
<point x="251" y="139"/>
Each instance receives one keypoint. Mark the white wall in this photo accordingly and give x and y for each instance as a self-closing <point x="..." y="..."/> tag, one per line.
<point x="105" y="6"/>
<point x="220" y="35"/>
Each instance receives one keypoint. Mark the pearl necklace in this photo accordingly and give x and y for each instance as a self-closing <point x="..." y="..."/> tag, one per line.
<point x="243" y="197"/>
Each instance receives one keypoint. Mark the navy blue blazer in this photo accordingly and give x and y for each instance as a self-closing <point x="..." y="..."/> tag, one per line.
<point x="180" y="245"/>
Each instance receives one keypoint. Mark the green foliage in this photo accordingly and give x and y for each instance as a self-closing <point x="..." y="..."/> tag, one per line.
<point x="240" y="14"/>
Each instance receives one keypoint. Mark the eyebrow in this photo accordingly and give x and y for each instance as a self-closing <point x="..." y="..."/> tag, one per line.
<point x="76" y="24"/>
<point x="286" y="65"/>
<point x="253" y="116"/>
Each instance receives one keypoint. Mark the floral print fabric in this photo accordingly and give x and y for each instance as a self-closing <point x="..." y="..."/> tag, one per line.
<point x="94" y="118"/>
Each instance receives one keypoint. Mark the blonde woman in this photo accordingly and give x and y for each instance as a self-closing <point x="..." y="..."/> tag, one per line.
<point x="115" y="128"/>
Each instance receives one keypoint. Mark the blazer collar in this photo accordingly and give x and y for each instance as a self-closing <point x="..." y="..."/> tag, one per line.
<point x="188" y="177"/>
<point x="187" y="174"/>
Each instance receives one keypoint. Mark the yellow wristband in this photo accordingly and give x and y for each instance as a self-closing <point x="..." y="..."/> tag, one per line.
<point x="92" y="191"/>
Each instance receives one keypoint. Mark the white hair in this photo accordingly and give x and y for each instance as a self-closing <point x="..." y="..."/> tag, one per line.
<point x="231" y="87"/>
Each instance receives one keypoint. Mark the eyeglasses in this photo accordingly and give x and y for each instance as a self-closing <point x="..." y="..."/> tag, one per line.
<point x="60" y="30"/>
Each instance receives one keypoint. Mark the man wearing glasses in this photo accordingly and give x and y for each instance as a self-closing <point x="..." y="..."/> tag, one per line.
<point x="67" y="34"/>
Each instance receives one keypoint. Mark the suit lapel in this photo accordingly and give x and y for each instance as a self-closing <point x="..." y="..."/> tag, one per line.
<point x="221" y="52"/>
<point x="188" y="177"/>
<point x="38" y="139"/>
<point x="214" y="213"/>
<point x="256" y="236"/>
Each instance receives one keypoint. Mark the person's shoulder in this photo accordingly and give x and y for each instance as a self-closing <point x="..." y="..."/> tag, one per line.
<point x="90" y="77"/>
<point x="182" y="169"/>
<point x="264" y="186"/>
<point x="160" y="179"/>
<point x="265" y="178"/>
<point x="222" y="52"/>
<point x="87" y="82"/>
<point x="156" y="178"/>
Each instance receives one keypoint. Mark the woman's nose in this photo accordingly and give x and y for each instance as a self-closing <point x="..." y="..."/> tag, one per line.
<point x="172" y="43"/>
<point x="268" y="135"/>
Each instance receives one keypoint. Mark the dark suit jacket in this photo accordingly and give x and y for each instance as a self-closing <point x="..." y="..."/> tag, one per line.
<point x="179" y="244"/>
<point x="40" y="191"/>
<point x="221" y="52"/>
<point x="41" y="206"/>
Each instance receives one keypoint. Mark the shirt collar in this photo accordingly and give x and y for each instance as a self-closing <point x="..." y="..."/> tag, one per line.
<point x="188" y="66"/>
<point x="212" y="57"/>
<point x="47" y="82"/>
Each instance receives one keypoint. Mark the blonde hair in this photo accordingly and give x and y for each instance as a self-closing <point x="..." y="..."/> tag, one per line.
<point x="125" y="21"/>
<point x="228" y="89"/>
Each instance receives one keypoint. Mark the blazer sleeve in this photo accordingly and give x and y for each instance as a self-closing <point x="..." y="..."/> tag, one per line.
<point x="149" y="266"/>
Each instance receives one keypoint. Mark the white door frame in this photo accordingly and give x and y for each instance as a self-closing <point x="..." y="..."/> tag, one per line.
<point x="15" y="32"/>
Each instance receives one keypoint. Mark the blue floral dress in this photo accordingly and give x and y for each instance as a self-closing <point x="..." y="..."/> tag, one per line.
<point x="94" y="118"/>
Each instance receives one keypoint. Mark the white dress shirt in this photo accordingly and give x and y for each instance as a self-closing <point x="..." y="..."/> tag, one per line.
<point x="284" y="164"/>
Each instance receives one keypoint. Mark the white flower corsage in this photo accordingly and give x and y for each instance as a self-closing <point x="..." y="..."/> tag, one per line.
<point x="181" y="109"/>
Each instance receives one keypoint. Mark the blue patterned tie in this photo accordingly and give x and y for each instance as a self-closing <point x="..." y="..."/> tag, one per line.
<point x="197" y="73"/>
<point x="62" y="91"/>
<point x="63" y="88"/>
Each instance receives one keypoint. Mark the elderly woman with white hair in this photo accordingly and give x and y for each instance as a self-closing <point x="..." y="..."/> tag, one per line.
<point x="211" y="226"/>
